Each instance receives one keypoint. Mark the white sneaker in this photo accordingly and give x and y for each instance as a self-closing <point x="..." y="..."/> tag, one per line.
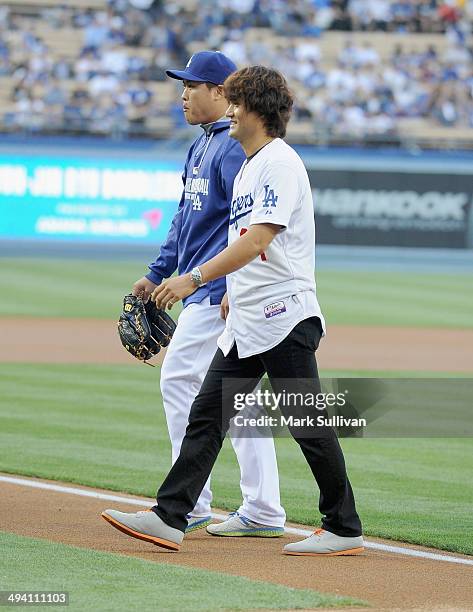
<point x="323" y="542"/>
<point x="237" y="525"/>
<point x="197" y="522"/>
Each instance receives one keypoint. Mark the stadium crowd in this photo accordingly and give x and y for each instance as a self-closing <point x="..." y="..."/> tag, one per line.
<point x="108" y="87"/>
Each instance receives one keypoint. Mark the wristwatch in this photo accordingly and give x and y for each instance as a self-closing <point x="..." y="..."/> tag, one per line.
<point x="196" y="277"/>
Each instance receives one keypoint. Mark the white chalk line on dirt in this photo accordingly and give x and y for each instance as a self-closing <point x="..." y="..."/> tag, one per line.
<point x="398" y="550"/>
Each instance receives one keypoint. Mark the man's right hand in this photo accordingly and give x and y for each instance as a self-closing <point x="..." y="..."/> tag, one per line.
<point x="224" y="307"/>
<point x="143" y="288"/>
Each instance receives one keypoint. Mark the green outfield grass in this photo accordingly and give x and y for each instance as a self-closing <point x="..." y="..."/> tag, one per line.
<point x="104" y="426"/>
<point x="106" y="581"/>
<point x="90" y="288"/>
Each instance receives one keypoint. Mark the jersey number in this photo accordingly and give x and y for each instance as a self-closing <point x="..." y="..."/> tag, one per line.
<point x="263" y="254"/>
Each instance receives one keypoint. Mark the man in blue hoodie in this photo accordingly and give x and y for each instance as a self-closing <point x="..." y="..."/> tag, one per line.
<point x="198" y="232"/>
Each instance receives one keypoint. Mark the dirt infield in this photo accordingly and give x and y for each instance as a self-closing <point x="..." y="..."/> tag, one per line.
<point x="45" y="340"/>
<point x="388" y="581"/>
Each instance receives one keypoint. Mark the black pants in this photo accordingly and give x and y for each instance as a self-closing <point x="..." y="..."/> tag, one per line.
<point x="293" y="359"/>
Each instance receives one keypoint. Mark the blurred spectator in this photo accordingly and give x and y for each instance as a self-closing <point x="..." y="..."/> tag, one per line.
<point x="77" y="110"/>
<point x="5" y="66"/>
<point x="342" y="19"/>
<point x="96" y="32"/>
<point x="134" y="27"/>
<point x="234" y="47"/>
<point x="29" y="110"/>
<point x="107" y="116"/>
<point x="114" y="58"/>
<point x="403" y="15"/>
<point x="103" y="82"/>
<point x="55" y="94"/>
<point x="156" y="69"/>
<point x="135" y="97"/>
<point x="366" y="55"/>
<point x="87" y="65"/>
<point x="62" y="69"/>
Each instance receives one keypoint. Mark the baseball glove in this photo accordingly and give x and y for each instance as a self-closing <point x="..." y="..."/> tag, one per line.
<point x="143" y="328"/>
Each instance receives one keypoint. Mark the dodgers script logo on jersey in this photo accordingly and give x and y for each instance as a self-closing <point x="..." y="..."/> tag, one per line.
<point x="195" y="187"/>
<point x="241" y="206"/>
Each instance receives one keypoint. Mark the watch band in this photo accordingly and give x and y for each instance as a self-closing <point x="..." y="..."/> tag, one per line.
<point x="196" y="276"/>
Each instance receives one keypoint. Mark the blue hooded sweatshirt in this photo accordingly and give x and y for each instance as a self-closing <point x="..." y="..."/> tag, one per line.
<point x="199" y="229"/>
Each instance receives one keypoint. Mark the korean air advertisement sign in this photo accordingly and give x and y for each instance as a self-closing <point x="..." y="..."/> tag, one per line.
<point x="85" y="199"/>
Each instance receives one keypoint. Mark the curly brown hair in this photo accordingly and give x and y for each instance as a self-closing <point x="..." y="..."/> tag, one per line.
<point x="265" y="92"/>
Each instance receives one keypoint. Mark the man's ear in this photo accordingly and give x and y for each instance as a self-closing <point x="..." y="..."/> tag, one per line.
<point x="217" y="93"/>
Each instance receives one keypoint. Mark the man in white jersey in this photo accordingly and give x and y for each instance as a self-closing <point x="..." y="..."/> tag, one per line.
<point x="274" y="324"/>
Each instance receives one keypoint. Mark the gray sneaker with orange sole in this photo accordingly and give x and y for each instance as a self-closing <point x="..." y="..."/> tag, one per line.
<point x="145" y="525"/>
<point x="323" y="542"/>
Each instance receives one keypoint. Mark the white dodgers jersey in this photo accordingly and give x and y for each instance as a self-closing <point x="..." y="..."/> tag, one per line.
<point x="275" y="291"/>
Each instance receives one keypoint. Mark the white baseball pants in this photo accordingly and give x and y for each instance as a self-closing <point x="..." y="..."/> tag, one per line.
<point x="186" y="363"/>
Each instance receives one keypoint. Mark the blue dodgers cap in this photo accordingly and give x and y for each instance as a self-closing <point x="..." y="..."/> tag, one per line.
<point x="205" y="67"/>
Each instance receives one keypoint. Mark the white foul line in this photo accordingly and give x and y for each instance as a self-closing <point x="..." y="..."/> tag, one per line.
<point x="398" y="550"/>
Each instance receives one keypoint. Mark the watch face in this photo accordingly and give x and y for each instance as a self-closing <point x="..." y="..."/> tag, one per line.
<point x="196" y="277"/>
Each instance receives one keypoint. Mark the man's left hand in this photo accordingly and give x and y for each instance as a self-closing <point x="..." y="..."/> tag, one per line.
<point x="172" y="290"/>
